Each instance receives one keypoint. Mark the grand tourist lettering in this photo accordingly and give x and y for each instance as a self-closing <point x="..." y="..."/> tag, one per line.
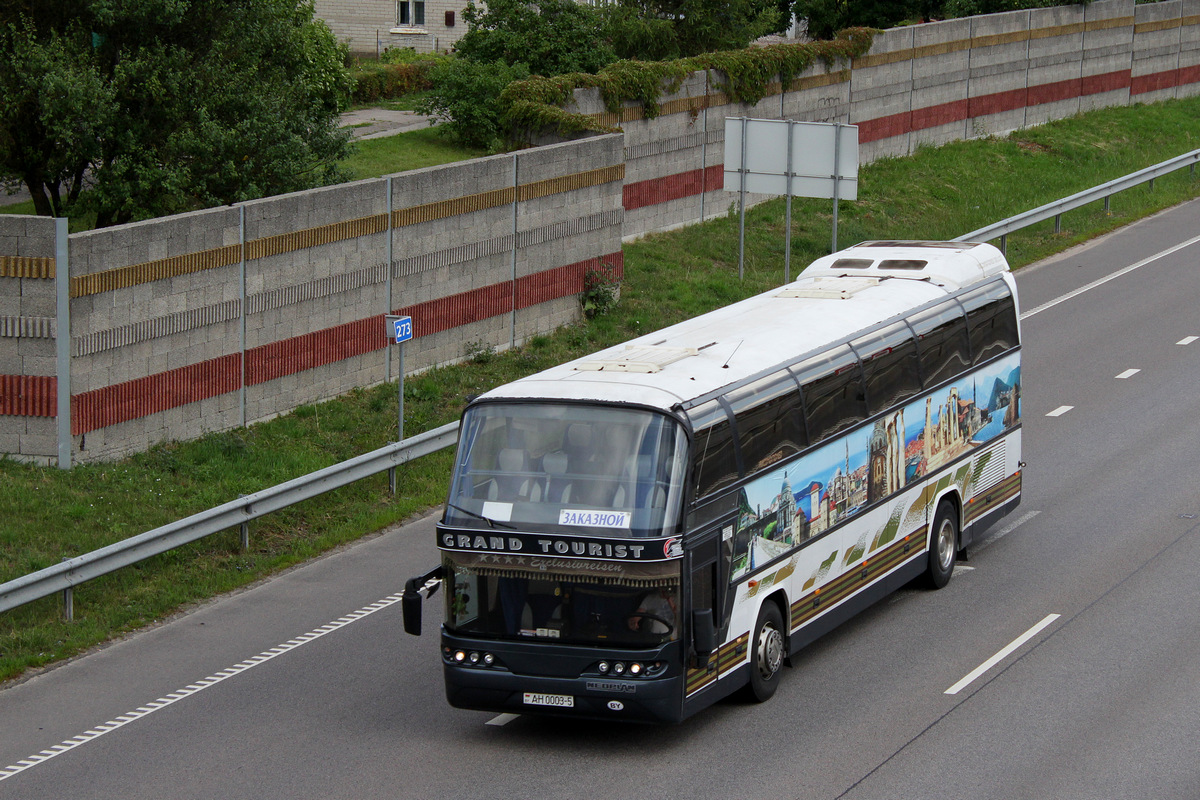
<point x="649" y="550"/>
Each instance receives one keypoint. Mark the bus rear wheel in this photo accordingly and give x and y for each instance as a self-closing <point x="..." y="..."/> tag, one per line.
<point x="943" y="546"/>
<point x="766" y="660"/>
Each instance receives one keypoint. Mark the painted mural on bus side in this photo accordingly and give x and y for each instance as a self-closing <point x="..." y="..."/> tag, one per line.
<point x="802" y="499"/>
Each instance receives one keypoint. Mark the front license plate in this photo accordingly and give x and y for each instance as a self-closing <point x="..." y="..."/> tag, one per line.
<point x="558" y="700"/>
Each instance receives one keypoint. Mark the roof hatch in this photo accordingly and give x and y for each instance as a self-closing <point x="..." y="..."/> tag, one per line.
<point x="639" y="358"/>
<point x="829" y="288"/>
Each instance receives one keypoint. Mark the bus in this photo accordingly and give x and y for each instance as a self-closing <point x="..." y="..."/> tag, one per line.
<point x="641" y="532"/>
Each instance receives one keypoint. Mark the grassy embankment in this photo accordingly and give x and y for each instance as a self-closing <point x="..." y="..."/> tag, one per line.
<point x="937" y="193"/>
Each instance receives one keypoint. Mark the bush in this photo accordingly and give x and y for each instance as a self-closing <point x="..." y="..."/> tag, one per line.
<point x="466" y="97"/>
<point x="551" y="38"/>
<point x="379" y="81"/>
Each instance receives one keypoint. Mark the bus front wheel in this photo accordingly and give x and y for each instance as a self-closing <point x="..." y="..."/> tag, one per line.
<point x="943" y="546"/>
<point x="766" y="660"/>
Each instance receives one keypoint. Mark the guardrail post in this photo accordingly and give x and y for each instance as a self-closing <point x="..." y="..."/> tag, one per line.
<point x="69" y="601"/>
<point x="1004" y="244"/>
<point x="1058" y="223"/>
<point x="245" y="530"/>
<point x="1107" y="210"/>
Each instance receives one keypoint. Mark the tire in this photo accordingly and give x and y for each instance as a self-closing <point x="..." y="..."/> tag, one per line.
<point x="943" y="546"/>
<point x="766" y="658"/>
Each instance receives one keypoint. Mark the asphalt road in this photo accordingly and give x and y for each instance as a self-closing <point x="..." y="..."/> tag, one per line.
<point x="306" y="686"/>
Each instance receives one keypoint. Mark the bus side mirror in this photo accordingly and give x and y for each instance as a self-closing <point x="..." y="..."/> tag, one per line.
<point x="704" y="633"/>
<point x="415" y="591"/>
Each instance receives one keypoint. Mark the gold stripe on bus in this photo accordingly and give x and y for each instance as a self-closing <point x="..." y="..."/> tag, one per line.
<point x="996" y="496"/>
<point x="732" y="654"/>
<point x="720" y="663"/>
<point x="850" y="581"/>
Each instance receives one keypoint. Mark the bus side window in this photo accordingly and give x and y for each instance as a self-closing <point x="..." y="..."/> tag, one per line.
<point x="890" y="367"/>
<point x="715" y="457"/>
<point x="834" y="398"/>
<point x="770" y="420"/>
<point x="945" y="351"/>
<point x="991" y="320"/>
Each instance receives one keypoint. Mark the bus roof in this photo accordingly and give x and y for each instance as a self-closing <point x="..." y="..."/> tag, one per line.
<point x="834" y="298"/>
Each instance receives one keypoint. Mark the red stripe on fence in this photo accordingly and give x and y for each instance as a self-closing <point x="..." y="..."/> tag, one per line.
<point x="141" y="397"/>
<point x="673" y="187"/>
<point x="28" y="395"/>
<point x="152" y="394"/>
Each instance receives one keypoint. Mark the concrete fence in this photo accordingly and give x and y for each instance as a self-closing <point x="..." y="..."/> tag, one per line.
<point x="220" y="318"/>
<point x="919" y="85"/>
<point x="207" y="321"/>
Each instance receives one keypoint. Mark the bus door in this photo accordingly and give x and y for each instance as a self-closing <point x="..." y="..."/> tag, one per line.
<point x="708" y="554"/>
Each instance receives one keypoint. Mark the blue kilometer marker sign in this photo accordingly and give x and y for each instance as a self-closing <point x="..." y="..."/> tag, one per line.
<point x="402" y="329"/>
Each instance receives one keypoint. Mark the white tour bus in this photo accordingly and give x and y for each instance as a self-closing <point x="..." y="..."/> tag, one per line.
<point x="640" y="532"/>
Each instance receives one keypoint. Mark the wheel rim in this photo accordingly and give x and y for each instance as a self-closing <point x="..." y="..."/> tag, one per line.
<point x="945" y="544"/>
<point x="770" y="651"/>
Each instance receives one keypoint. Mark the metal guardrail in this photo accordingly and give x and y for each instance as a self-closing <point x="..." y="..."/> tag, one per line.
<point x="1056" y="209"/>
<point x="74" y="571"/>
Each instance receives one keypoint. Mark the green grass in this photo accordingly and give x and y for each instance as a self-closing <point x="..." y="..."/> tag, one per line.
<point x="404" y="151"/>
<point x="937" y="193"/>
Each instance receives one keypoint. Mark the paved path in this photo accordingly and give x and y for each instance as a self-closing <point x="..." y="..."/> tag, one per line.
<point x="365" y="123"/>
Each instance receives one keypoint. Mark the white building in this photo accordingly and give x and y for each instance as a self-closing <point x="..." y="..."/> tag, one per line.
<point x="370" y="26"/>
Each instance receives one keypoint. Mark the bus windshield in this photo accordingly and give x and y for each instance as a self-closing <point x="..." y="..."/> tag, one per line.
<point x="586" y="470"/>
<point x="563" y="600"/>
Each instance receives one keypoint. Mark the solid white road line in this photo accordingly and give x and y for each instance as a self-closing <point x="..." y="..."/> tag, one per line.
<point x="1058" y="412"/>
<point x="191" y="689"/>
<point x="1007" y="529"/>
<point x="1113" y="276"/>
<point x="503" y="719"/>
<point x="1129" y="373"/>
<point x="996" y="659"/>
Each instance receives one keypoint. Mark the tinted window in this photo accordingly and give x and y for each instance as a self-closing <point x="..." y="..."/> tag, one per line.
<point x="770" y="420"/>
<point x="714" y="449"/>
<point x="942" y="337"/>
<point x="991" y="321"/>
<point x="833" y="393"/>
<point x="890" y="367"/>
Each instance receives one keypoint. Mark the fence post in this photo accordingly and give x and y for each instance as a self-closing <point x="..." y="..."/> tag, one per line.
<point x="242" y="311"/>
<point x="62" y="342"/>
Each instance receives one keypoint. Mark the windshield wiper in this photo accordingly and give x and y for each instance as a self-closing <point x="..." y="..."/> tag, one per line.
<point x="491" y="522"/>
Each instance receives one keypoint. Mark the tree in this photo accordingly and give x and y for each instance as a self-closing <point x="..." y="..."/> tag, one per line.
<point x="695" y="26"/>
<point x="551" y="37"/>
<point x="466" y="98"/>
<point x="138" y="108"/>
